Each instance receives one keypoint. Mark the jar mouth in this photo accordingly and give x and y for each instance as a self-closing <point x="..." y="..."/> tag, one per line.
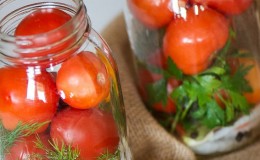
<point x="24" y="46"/>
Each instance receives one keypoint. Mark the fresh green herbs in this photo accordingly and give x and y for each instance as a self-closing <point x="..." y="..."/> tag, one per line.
<point x="62" y="152"/>
<point x="8" y="138"/>
<point x="201" y="93"/>
<point x="56" y="152"/>
<point x="212" y="98"/>
<point x="109" y="156"/>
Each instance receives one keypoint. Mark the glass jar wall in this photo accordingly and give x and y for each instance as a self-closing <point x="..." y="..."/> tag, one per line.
<point x="197" y="68"/>
<point x="60" y="94"/>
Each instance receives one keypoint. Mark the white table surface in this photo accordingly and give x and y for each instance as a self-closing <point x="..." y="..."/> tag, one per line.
<point x="102" y="12"/>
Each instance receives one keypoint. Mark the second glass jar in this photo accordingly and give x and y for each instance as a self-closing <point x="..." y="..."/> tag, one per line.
<point x="197" y="68"/>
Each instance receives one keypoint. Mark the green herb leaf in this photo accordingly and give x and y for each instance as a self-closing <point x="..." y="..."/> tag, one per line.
<point x="215" y="71"/>
<point x="200" y="113"/>
<point x="239" y="102"/>
<point x="215" y="116"/>
<point x="237" y="82"/>
<point x="173" y="69"/>
<point x="157" y="92"/>
<point x="208" y="83"/>
<point x="230" y="112"/>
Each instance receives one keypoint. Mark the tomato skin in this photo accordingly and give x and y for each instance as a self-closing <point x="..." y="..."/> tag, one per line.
<point x="152" y="13"/>
<point x="233" y="63"/>
<point x="192" y="42"/>
<point x="221" y="94"/>
<point x="92" y="131"/>
<point x="25" y="147"/>
<point x="83" y="81"/>
<point x="168" y="108"/>
<point x="230" y="7"/>
<point x="26" y="98"/>
<point x="43" y="21"/>
<point x="253" y="78"/>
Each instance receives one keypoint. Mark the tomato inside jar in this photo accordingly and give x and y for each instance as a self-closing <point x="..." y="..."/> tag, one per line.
<point x="197" y="68"/>
<point x="58" y="91"/>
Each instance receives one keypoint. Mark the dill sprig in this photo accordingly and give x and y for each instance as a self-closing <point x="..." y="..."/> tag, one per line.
<point x="8" y="138"/>
<point x="110" y="156"/>
<point x="66" y="152"/>
<point x="56" y="152"/>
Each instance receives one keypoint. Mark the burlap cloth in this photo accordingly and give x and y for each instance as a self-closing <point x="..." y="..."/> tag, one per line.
<point x="147" y="139"/>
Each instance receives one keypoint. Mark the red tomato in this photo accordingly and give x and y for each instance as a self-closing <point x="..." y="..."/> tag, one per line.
<point x="152" y="13"/>
<point x="83" y="81"/>
<point x="91" y="131"/>
<point x="42" y="21"/>
<point x="233" y="64"/>
<point x="168" y="108"/>
<point x="27" y="96"/>
<point x="231" y="7"/>
<point x="192" y="42"/>
<point x="222" y="94"/>
<point x="24" y="148"/>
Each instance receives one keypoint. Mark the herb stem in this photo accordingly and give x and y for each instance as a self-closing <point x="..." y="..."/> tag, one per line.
<point x="8" y="138"/>
<point x="175" y="121"/>
<point x="187" y="108"/>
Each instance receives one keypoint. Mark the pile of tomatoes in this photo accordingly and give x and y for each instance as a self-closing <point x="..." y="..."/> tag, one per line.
<point x="64" y="104"/>
<point x="190" y="33"/>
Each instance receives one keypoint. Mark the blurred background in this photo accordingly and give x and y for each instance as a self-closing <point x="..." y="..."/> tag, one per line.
<point x="102" y="12"/>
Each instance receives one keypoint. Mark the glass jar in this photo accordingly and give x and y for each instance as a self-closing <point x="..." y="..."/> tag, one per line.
<point x="60" y="93"/>
<point x="197" y="69"/>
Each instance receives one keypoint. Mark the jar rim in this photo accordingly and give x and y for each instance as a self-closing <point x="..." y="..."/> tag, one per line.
<point x="47" y="5"/>
<point x="13" y="47"/>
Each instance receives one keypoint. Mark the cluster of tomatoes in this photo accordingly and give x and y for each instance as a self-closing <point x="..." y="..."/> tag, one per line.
<point x="66" y="102"/>
<point x="193" y="32"/>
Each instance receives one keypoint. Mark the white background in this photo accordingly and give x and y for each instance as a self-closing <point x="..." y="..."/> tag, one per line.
<point x="102" y="12"/>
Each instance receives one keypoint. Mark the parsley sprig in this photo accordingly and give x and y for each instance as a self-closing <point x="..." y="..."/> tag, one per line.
<point x="198" y="93"/>
<point x="197" y="98"/>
